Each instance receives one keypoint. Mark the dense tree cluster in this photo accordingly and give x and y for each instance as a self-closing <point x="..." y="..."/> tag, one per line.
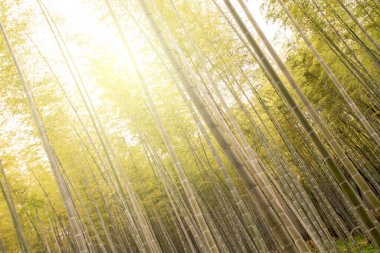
<point x="179" y="126"/>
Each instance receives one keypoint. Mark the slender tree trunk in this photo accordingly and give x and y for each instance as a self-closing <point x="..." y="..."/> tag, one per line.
<point x="7" y="193"/>
<point x="365" y="216"/>
<point x="2" y="247"/>
<point x="272" y="219"/>
<point x="329" y="72"/>
<point x="369" y="37"/>
<point x="50" y="154"/>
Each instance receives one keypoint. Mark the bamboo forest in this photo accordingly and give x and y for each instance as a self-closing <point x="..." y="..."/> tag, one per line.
<point x="172" y="126"/>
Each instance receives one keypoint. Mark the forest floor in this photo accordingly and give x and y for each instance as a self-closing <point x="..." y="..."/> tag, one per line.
<point x="364" y="245"/>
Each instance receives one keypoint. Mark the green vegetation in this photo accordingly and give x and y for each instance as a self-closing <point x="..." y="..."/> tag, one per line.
<point x="187" y="126"/>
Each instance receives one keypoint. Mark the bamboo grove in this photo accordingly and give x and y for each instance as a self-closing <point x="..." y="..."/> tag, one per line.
<point x="184" y="126"/>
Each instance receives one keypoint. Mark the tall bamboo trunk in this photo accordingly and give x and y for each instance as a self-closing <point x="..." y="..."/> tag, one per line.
<point x="49" y="152"/>
<point x="272" y="219"/>
<point x="352" y="16"/>
<point x="363" y="214"/>
<point x="335" y="80"/>
<point x="7" y="194"/>
<point x="184" y="181"/>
